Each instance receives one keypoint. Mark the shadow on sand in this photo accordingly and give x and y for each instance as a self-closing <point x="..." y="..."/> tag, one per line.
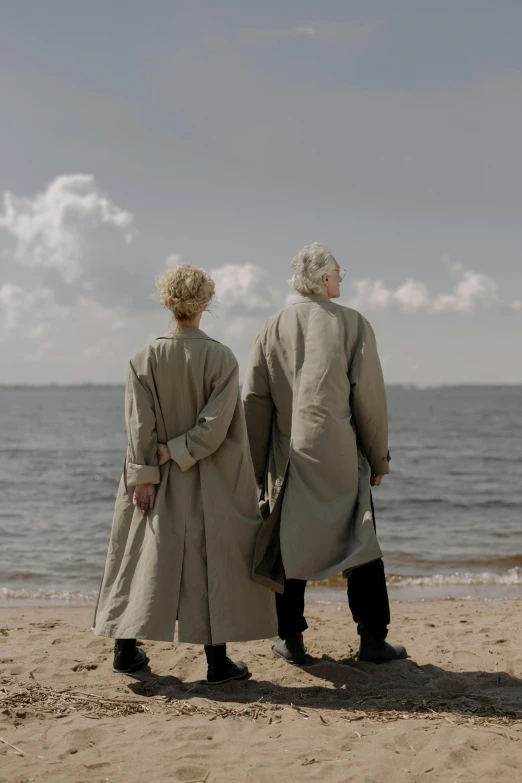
<point x="348" y="685"/>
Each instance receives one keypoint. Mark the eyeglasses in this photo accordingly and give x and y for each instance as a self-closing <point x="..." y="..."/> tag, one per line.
<point x="341" y="273"/>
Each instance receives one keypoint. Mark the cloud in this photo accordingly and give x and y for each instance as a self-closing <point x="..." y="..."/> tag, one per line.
<point x="90" y="342"/>
<point x="56" y="228"/>
<point x="85" y="341"/>
<point x="410" y="297"/>
<point x="474" y="291"/>
<point x="18" y="309"/>
<point x="87" y="308"/>
<point x="245" y="288"/>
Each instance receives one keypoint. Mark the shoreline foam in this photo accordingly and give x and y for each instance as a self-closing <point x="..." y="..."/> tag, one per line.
<point x="458" y="585"/>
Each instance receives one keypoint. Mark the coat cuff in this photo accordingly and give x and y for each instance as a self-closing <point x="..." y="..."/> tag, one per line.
<point x="380" y="466"/>
<point x="179" y="452"/>
<point x="142" y="474"/>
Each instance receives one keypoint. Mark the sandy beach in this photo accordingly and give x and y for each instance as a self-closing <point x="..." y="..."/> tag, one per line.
<point x="451" y="712"/>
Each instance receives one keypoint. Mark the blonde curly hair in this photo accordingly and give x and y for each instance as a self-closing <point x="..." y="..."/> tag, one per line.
<point x="186" y="291"/>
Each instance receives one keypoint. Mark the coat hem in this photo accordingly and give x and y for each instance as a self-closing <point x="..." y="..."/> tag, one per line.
<point x="346" y="565"/>
<point x="272" y="584"/>
<point x="111" y="632"/>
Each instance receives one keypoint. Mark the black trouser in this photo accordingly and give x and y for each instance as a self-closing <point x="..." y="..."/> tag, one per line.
<point x="367" y="598"/>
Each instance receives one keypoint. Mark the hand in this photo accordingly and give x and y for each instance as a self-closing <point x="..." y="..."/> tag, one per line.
<point x="259" y="482"/>
<point x="375" y="481"/>
<point x="163" y="454"/>
<point x="143" y="498"/>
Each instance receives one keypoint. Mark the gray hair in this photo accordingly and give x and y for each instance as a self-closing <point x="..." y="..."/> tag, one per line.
<point x="309" y="266"/>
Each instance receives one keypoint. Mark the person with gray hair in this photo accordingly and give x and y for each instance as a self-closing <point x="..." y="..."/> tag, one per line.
<point x="309" y="267"/>
<point x="317" y="422"/>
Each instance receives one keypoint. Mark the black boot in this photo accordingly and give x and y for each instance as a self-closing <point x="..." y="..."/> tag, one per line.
<point x="292" y="649"/>
<point x="128" y="657"/>
<point x="373" y="647"/>
<point x="220" y="668"/>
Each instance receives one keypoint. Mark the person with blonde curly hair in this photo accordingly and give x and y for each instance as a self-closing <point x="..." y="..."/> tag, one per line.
<point x="187" y="513"/>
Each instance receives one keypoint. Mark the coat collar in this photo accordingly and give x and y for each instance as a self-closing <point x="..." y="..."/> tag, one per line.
<point x="185" y="333"/>
<point x="313" y="298"/>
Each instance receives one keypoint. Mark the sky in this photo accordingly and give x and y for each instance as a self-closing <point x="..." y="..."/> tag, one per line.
<point x="136" y="136"/>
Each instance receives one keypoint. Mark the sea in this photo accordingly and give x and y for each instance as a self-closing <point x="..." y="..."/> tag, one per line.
<point x="449" y="515"/>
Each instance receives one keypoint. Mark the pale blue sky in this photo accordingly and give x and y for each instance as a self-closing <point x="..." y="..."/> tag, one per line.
<point x="235" y="133"/>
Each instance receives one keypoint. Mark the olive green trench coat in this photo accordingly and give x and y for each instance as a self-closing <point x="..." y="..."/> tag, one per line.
<point x="191" y="558"/>
<point x="317" y="421"/>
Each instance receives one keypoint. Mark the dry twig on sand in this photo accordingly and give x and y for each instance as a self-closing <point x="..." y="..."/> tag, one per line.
<point x="18" y="751"/>
<point x="43" y="699"/>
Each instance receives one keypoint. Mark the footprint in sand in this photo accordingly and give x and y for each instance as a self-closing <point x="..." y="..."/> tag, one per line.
<point x="192" y="774"/>
<point x="84" y="667"/>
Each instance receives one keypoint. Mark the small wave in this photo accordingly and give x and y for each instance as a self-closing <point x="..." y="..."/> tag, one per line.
<point x="511" y="577"/>
<point x="14" y="594"/>
<point x="494" y="564"/>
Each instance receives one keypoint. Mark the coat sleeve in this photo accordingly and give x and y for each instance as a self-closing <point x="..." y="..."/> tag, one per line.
<point x="259" y="408"/>
<point x="368" y="400"/>
<point x="142" y="460"/>
<point x="213" y="422"/>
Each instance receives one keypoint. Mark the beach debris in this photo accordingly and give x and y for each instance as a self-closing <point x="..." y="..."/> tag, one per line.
<point x="18" y="751"/>
<point x="32" y="698"/>
<point x="40" y="698"/>
<point x="301" y="712"/>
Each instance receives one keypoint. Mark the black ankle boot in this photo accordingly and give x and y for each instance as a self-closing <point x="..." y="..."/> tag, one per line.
<point x="374" y="648"/>
<point x="292" y="649"/>
<point x="127" y="657"/>
<point x="220" y="668"/>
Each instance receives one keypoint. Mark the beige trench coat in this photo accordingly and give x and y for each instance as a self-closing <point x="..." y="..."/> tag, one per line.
<point x="191" y="558"/>
<point x="317" y="421"/>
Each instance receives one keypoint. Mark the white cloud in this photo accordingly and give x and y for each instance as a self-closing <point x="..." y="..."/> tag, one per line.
<point x="245" y="288"/>
<point x="87" y="329"/>
<point x="85" y="341"/>
<point x="410" y="297"/>
<point x="56" y="228"/>
<point x="25" y="310"/>
<point x="474" y="291"/>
